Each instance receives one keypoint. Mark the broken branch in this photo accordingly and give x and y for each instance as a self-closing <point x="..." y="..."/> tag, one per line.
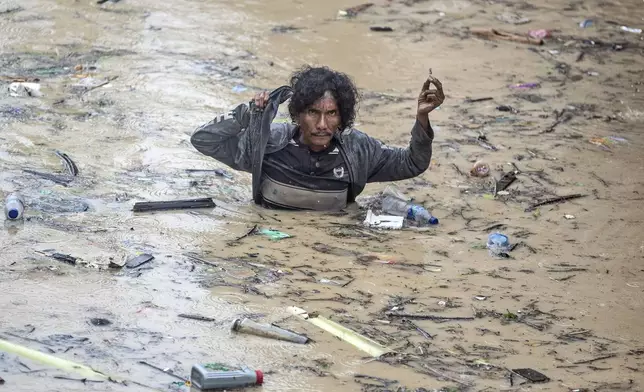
<point x="553" y="201"/>
<point x="427" y="317"/>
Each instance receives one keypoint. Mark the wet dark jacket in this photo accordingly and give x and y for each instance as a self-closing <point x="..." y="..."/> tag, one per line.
<point x="236" y="139"/>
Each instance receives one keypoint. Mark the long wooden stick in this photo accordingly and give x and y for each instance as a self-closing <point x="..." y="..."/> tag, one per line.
<point x="553" y="200"/>
<point x="495" y="34"/>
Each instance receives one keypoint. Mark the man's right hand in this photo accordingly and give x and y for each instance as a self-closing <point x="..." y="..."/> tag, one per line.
<point x="261" y="99"/>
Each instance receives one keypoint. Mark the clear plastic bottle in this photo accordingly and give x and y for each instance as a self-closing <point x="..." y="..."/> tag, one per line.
<point x="393" y="204"/>
<point x="498" y="244"/>
<point x="14" y="207"/>
<point x="267" y="330"/>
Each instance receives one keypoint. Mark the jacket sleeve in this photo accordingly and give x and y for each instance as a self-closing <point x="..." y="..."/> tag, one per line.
<point x="393" y="164"/>
<point x="225" y="138"/>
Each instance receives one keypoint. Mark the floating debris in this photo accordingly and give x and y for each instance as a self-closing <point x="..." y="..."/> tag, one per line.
<point x="64" y="181"/>
<point x="173" y="205"/>
<point x="352" y="12"/>
<point x="553" y="201"/>
<point x="195" y="317"/>
<point x="384" y="221"/>
<point x="274" y="235"/>
<point x="68" y="163"/>
<point x="24" y="89"/>
<point x="531" y="375"/>
<point x="267" y="330"/>
<point x="363" y="343"/>
<point x="99" y="322"/>
<point x="139" y="260"/>
<point x="382" y="29"/>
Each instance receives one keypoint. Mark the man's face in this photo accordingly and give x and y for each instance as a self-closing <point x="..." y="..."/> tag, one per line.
<point x="319" y="122"/>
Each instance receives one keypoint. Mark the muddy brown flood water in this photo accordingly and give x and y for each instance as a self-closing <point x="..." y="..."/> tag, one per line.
<point x="124" y="85"/>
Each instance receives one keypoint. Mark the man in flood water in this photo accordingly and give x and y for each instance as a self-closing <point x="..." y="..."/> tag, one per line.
<point x="319" y="162"/>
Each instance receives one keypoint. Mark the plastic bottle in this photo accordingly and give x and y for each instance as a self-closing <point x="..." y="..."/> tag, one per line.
<point x="14" y="206"/>
<point x="267" y="330"/>
<point x="631" y="29"/>
<point x="480" y="169"/>
<point x="396" y="206"/>
<point x="216" y="376"/>
<point x="498" y="243"/>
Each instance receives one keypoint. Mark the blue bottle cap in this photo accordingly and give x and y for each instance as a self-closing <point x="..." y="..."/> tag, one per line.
<point x="433" y="220"/>
<point x="13" y="214"/>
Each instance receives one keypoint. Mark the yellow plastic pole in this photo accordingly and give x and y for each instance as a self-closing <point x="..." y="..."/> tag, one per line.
<point x="47" y="359"/>
<point x="363" y="343"/>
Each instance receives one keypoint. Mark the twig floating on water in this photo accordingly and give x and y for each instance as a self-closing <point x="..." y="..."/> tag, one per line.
<point x="559" y="120"/>
<point x="445" y="376"/>
<point x="348" y="282"/>
<point x="553" y="201"/>
<point x="206" y="202"/>
<point x="580" y="56"/>
<point x="485" y="144"/>
<point x="28" y="339"/>
<point x="598" y="178"/>
<point x="168" y="372"/>
<point x="595" y="359"/>
<point x="495" y="34"/>
<point x="384" y="381"/>
<point x="70" y="166"/>
<point x="497" y="226"/>
<point x="57" y="179"/>
<point x="251" y="231"/>
<point x="219" y="172"/>
<point x="427" y="317"/>
<point x="111" y="78"/>
<point x="425" y="334"/>
<point x="457" y="169"/>
<point x="83" y="380"/>
<point x="196" y="317"/>
<point x="22" y="364"/>
<point x="9" y="11"/>
<point x="565" y="278"/>
<point x="381" y="29"/>
<point x="473" y="100"/>
<point x="195" y="258"/>
<point x="272" y="217"/>
<point x="354" y="11"/>
<point x="567" y="270"/>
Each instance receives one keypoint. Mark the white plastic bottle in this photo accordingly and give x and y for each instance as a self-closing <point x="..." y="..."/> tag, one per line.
<point x="14" y="207"/>
<point x="394" y="204"/>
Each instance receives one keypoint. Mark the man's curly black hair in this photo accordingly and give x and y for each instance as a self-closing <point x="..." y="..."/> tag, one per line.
<point x="311" y="83"/>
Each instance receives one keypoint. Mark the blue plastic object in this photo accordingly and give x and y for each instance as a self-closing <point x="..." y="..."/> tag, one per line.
<point x="498" y="244"/>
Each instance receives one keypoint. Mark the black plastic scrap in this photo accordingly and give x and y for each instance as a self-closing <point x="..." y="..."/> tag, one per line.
<point x="381" y="29"/>
<point x="505" y="181"/>
<point x="531" y="375"/>
<point x="99" y="322"/>
<point x="173" y="205"/>
<point x="139" y="260"/>
<point x="65" y="258"/>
